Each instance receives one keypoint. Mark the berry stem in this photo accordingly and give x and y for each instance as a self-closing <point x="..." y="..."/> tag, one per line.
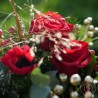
<point x="20" y="32"/>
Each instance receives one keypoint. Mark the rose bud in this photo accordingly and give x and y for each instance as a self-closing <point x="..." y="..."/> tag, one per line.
<point x="58" y="89"/>
<point x="88" y="79"/>
<point x="12" y="29"/>
<point x="74" y="94"/>
<point x="75" y="79"/>
<point x="88" y="94"/>
<point x="63" y="77"/>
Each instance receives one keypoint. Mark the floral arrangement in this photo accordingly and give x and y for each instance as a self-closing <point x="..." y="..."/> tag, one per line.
<point x="52" y="59"/>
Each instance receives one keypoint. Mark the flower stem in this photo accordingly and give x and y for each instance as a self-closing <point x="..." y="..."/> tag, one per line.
<point x="20" y="32"/>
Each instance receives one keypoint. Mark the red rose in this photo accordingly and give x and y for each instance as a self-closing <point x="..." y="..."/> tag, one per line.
<point x="19" y="60"/>
<point x="50" y="21"/>
<point x="74" y="59"/>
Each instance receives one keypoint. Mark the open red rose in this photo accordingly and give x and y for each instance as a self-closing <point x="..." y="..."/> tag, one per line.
<point x="74" y="59"/>
<point x="50" y="21"/>
<point x="19" y="60"/>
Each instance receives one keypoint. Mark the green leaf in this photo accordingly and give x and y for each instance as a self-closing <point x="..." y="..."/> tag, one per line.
<point x="39" y="92"/>
<point x="54" y="80"/>
<point x="90" y="67"/>
<point x="39" y="79"/>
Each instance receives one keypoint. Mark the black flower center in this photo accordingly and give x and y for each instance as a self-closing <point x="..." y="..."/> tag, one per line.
<point x="23" y="62"/>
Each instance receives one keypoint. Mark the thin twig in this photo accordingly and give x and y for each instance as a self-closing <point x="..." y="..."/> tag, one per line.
<point x="20" y="32"/>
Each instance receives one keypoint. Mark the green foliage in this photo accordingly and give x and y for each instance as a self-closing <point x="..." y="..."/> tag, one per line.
<point x="38" y="78"/>
<point x="39" y="92"/>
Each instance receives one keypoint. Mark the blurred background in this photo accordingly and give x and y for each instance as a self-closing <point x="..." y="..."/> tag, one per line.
<point x="80" y="9"/>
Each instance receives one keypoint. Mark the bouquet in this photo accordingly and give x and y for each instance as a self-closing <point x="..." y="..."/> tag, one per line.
<point x="52" y="58"/>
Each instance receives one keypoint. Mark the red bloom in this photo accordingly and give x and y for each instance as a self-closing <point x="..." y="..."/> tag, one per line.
<point x="50" y="21"/>
<point x="19" y="60"/>
<point x="74" y="59"/>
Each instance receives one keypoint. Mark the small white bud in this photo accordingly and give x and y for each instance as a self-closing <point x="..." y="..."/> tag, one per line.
<point x="88" y="79"/>
<point x="90" y="33"/>
<point x="74" y="94"/>
<point x="58" y="89"/>
<point x="86" y="21"/>
<point x="96" y="29"/>
<point x="37" y="39"/>
<point x="31" y="10"/>
<point x="42" y="39"/>
<point x="75" y="79"/>
<point x="91" y="28"/>
<point x="63" y="77"/>
<point x="78" y="26"/>
<point x="58" y="35"/>
<point x="32" y="14"/>
<point x="90" y="43"/>
<point x="95" y="81"/>
<point x="89" y="19"/>
<point x="55" y="96"/>
<point x="88" y="94"/>
<point x="32" y="6"/>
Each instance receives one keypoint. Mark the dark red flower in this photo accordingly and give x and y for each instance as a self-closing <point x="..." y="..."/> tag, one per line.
<point x="19" y="60"/>
<point x="74" y="59"/>
<point x="50" y="21"/>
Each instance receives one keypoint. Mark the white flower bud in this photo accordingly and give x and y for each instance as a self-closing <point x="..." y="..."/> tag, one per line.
<point x="32" y="14"/>
<point x="78" y="26"/>
<point x="96" y="29"/>
<point x="58" y="89"/>
<point x="91" y="27"/>
<point x="58" y="35"/>
<point x="75" y="79"/>
<point x="86" y="21"/>
<point x="63" y="77"/>
<point x="42" y="39"/>
<point x="89" y="19"/>
<point x="88" y="79"/>
<point x="74" y="94"/>
<point x="31" y="10"/>
<point x="32" y="6"/>
<point x="37" y="39"/>
<point x="95" y="81"/>
<point x="90" y="43"/>
<point x="55" y="96"/>
<point x="88" y="94"/>
<point x="90" y="33"/>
